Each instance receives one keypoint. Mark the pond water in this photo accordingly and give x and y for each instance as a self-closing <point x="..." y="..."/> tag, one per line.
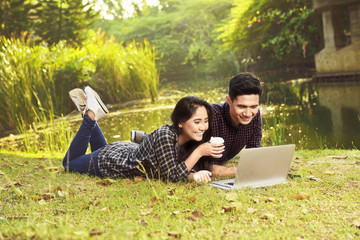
<point x="299" y="112"/>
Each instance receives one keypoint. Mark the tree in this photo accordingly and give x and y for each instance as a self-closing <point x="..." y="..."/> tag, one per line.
<point x="16" y="17"/>
<point x="273" y="33"/>
<point x="64" y="20"/>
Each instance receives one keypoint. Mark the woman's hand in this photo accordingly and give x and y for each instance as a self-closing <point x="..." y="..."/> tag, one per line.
<point x="202" y="176"/>
<point x="211" y="149"/>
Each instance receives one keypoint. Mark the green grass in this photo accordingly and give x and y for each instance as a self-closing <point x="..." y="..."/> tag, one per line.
<point x="40" y="201"/>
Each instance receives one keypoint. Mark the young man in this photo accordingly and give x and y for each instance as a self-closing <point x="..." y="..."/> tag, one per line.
<point x="237" y="121"/>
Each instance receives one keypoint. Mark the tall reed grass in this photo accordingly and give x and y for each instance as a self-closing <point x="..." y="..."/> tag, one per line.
<point x="35" y="79"/>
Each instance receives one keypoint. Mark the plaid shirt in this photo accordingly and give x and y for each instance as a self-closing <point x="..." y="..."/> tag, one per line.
<point x="235" y="137"/>
<point x="156" y="154"/>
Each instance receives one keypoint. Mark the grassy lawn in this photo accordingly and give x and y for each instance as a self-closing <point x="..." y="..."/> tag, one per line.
<point x="40" y="201"/>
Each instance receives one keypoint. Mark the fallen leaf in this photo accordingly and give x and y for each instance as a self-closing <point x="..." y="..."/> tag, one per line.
<point x="5" y="166"/>
<point x="338" y="157"/>
<point x="269" y="199"/>
<point x="256" y="200"/>
<point x="60" y="211"/>
<point x="42" y="202"/>
<point x="304" y="211"/>
<point x="52" y="169"/>
<point x="35" y="197"/>
<point x="39" y="168"/>
<point x="312" y="178"/>
<point x="196" y="214"/>
<point x="228" y="208"/>
<point x="106" y="182"/>
<point x="171" y="191"/>
<point x="94" y="232"/>
<point x="138" y="179"/>
<point x="191" y="199"/>
<point x="17" y="184"/>
<point x="300" y="196"/>
<point x="2" y="173"/>
<point x="357" y="162"/>
<point x="174" y="234"/>
<point x="127" y="181"/>
<point x="143" y="223"/>
<point x="106" y="210"/>
<point x="153" y="201"/>
<point x="43" y="158"/>
<point x="267" y="216"/>
<point x="176" y="213"/>
<point x="238" y="205"/>
<point x="356" y="224"/>
<point x="231" y="197"/>
<point x="329" y="173"/>
<point x="61" y="193"/>
<point x="47" y="196"/>
<point x="26" y="162"/>
<point x="146" y="212"/>
<point x="251" y="210"/>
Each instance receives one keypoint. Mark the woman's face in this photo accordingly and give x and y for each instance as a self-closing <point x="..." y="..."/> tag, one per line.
<point x="195" y="127"/>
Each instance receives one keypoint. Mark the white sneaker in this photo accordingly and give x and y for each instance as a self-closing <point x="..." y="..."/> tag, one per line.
<point x="78" y="96"/>
<point x="95" y="104"/>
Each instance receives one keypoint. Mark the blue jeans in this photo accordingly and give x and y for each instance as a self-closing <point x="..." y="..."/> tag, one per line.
<point x="75" y="159"/>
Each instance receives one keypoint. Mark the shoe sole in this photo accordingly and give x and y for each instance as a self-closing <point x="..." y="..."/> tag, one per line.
<point x="76" y="95"/>
<point x="98" y="99"/>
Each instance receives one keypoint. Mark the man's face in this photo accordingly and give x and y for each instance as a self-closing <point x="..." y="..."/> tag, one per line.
<point x="244" y="108"/>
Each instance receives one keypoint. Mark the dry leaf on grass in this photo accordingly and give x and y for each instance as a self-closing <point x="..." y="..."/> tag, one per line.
<point x="127" y="181"/>
<point x="329" y="173"/>
<point x="106" y="182"/>
<point x="138" y="179"/>
<point x="47" y="196"/>
<point x="267" y="216"/>
<point x="94" y="232"/>
<point x="356" y="224"/>
<point x="231" y="197"/>
<point x="175" y="213"/>
<point x="251" y="210"/>
<point x="256" y="200"/>
<point x="196" y="214"/>
<point x="5" y="166"/>
<point x="39" y="168"/>
<point x="60" y="211"/>
<point x="227" y="208"/>
<point x="2" y="173"/>
<point x="146" y="212"/>
<point x="312" y="178"/>
<point x="300" y="196"/>
<point x="269" y="199"/>
<point x="35" y="197"/>
<point x="174" y="234"/>
<point x="338" y="157"/>
<point x="143" y="223"/>
<point x="153" y="201"/>
<point x="238" y="205"/>
<point x="191" y="199"/>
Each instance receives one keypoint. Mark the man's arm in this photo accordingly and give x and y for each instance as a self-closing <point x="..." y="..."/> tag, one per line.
<point x="218" y="170"/>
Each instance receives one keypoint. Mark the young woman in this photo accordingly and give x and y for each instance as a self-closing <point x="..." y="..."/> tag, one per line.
<point x="169" y="153"/>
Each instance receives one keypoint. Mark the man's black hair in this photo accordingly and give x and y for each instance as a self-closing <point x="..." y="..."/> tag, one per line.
<point x="244" y="83"/>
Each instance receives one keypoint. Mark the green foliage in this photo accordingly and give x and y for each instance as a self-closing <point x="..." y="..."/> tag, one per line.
<point x="64" y="20"/>
<point x="183" y="31"/>
<point x="35" y="80"/>
<point x="273" y="33"/>
<point x="16" y="17"/>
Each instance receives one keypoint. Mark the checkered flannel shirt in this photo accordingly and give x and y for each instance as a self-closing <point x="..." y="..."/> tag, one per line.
<point x="156" y="155"/>
<point x="235" y="137"/>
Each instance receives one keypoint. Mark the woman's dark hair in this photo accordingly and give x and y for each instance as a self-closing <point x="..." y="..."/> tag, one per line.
<point x="183" y="111"/>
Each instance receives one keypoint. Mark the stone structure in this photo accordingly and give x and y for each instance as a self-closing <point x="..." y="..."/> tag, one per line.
<point x="338" y="57"/>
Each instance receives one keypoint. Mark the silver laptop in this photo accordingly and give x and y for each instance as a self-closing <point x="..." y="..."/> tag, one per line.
<point x="260" y="167"/>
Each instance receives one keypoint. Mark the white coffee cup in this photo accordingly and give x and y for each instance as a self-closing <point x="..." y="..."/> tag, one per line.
<point x="217" y="140"/>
